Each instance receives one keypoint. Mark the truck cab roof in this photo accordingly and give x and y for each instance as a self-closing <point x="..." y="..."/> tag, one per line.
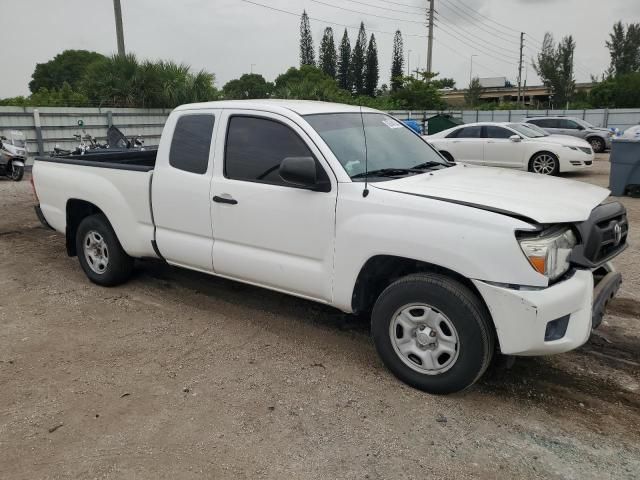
<point x="301" y="107"/>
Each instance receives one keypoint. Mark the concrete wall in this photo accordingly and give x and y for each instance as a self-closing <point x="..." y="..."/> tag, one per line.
<point x="59" y="124"/>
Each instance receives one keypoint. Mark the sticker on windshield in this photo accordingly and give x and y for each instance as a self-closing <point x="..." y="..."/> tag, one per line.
<point x="391" y="123"/>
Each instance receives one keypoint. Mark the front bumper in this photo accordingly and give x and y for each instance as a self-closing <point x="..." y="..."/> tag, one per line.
<point x="574" y="160"/>
<point x="521" y="316"/>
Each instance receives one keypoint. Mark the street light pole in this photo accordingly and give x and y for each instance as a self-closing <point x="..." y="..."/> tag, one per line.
<point x="409" y="62"/>
<point x="252" y="65"/>
<point x="117" y="10"/>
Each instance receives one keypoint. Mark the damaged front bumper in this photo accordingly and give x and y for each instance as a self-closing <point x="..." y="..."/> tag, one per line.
<point x="556" y="319"/>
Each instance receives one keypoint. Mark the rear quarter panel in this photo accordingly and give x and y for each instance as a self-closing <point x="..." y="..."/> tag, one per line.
<point x="122" y="195"/>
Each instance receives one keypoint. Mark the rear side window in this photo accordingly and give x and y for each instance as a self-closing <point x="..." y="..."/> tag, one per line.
<point x="256" y="147"/>
<point x="545" y="122"/>
<point x="191" y="143"/>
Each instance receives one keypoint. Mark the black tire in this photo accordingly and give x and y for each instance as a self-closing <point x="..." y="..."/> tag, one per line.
<point x="462" y="308"/>
<point x="447" y="156"/>
<point x="554" y="170"/>
<point x="597" y="144"/>
<point x="119" y="266"/>
<point x="17" y="173"/>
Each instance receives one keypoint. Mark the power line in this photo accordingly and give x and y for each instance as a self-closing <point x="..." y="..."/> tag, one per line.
<point x="485" y="17"/>
<point x="495" y="45"/>
<point x="328" y="22"/>
<point x="476" y="22"/>
<point x="462" y="55"/>
<point x="383" y="8"/>
<point x="365" y="13"/>
<point x="475" y="47"/>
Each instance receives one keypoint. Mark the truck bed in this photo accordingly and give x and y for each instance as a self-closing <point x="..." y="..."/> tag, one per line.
<point x="117" y="184"/>
<point x="140" y="160"/>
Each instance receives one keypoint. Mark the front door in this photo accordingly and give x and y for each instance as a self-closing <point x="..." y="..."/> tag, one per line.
<point x="500" y="150"/>
<point x="266" y="231"/>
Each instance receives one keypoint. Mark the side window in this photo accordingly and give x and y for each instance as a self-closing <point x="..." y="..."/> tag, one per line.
<point x="191" y="143"/>
<point x="569" y="124"/>
<point x="536" y="121"/>
<point x="498" y="132"/>
<point x="470" y="132"/>
<point x="256" y="147"/>
<point x="455" y="133"/>
<point x="552" y="123"/>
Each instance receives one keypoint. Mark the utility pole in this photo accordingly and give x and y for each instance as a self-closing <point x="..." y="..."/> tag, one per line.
<point x="520" y="67"/>
<point x="430" y="46"/>
<point x="119" y="31"/>
<point x="471" y="69"/>
<point x="409" y="63"/>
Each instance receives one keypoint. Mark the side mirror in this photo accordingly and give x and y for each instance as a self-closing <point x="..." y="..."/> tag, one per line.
<point x="515" y="138"/>
<point x="580" y="127"/>
<point x="299" y="171"/>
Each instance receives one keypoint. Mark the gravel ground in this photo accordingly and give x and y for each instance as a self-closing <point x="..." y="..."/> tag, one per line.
<point x="180" y="375"/>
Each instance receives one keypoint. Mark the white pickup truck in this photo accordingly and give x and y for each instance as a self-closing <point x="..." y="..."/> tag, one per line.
<point x="348" y="207"/>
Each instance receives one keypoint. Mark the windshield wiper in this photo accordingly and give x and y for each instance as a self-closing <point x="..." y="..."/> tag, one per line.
<point x="387" y="172"/>
<point x="429" y="164"/>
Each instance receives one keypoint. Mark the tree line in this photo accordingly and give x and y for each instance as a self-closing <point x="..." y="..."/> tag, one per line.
<point x="339" y="73"/>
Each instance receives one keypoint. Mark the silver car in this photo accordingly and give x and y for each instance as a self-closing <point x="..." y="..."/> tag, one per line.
<point x="599" y="138"/>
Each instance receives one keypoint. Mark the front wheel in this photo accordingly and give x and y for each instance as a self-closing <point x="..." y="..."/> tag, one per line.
<point x="433" y="333"/>
<point x="17" y="173"/>
<point x="597" y="144"/>
<point x="100" y="254"/>
<point x="544" y="163"/>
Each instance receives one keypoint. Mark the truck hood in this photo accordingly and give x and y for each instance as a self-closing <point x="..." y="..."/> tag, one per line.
<point x="532" y="197"/>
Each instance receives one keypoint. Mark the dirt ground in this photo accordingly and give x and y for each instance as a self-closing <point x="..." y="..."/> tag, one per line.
<point x="179" y="375"/>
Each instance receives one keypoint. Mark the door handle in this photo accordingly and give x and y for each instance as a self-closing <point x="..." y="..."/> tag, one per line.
<point x="226" y="199"/>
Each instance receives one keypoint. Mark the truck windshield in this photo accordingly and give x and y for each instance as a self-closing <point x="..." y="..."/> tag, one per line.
<point x="393" y="150"/>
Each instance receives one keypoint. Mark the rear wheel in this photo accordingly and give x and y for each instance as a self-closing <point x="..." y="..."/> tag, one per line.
<point x="597" y="144"/>
<point x="17" y="173"/>
<point x="100" y="254"/>
<point x="544" y="163"/>
<point x="433" y="333"/>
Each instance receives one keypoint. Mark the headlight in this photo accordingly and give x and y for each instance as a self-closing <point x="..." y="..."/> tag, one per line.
<point x="548" y="252"/>
<point x="571" y="147"/>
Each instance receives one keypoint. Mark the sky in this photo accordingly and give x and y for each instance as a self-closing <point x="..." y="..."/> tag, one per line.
<point x="232" y="37"/>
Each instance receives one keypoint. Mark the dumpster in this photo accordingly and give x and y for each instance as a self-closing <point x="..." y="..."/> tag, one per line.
<point x="625" y="167"/>
<point x="440" y="122"/>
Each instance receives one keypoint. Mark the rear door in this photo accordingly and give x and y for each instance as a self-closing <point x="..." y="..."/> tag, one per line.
<point x="466" y="145"/>
<point x="499" y="150"/>
<point x="266" y="231"/>
<point x="180" y="189"/>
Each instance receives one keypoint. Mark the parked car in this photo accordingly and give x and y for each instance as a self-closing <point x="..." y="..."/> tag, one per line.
<point x="350" y="208"/>
<point x="512" y="145"/>
<point x="599" y="138"/>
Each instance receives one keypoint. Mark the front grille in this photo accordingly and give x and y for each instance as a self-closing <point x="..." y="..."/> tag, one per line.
<point x="602" y="236"/>
<point x="586" y="150"/>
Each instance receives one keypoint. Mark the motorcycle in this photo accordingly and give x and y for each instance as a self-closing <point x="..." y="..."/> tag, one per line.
<point x="116" y="142"/>
<point x="13" y="155"/>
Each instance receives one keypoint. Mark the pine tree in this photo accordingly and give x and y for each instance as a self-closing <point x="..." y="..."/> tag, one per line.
<point x="358" y="61"/>
<point x="372" y="72"/>
<point x="554" y="66"/>
<point x="397" y="62"/>
<point x="624" y="48"/>
<point x="328" y="56"/>
<point x="307" y="55"/>
<point x="344" y="62"/>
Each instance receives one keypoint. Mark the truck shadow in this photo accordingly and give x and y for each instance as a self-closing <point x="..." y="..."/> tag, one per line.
<point x="549" y="382"/>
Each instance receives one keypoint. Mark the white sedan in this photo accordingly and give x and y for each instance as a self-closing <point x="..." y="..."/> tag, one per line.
<point x="513" y="145"/>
